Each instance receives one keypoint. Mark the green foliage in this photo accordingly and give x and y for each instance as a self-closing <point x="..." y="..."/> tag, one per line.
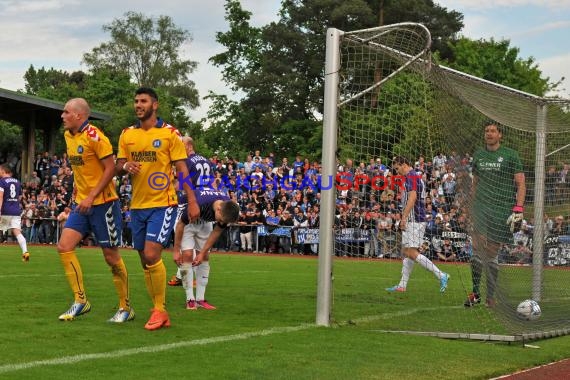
<point x="402" y="123"/>
<point x="243" y="43"/>
<point x="498" y="62"/>
<point x="442" y="23"/>
<point x="11" y="140"/>
<point x="53" y="84"/>
<point x="279" y="66"/>
<point x="301" y="137"/>
<point x="148" y="50"/>
<point x="141" y="48"/>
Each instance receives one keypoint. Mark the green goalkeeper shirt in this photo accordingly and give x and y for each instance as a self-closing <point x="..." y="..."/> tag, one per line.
<point x="495" y="194"/>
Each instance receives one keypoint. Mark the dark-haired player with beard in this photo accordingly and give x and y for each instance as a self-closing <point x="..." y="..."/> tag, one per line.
<point x="147" y="152"/>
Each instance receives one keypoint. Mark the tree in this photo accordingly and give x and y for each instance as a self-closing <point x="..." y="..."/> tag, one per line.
<point x="106" y="90"/>
<point x="279" y="67"/>
<point x="148" y="50"/>
<point x="498" y="62"/>
<point x="442" y="23"/>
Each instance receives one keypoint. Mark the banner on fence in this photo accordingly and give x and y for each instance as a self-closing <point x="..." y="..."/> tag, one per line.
<point x="307" y="236"/>
<point x="352" y="235"/>
<point x="277" y="231"/>
<point x="557" y="250"/>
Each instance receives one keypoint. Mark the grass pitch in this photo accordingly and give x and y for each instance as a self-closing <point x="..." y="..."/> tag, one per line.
<point x="263" y="328"/>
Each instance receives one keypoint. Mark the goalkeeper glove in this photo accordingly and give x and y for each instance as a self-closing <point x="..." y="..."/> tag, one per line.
<point x="516" y="218"/>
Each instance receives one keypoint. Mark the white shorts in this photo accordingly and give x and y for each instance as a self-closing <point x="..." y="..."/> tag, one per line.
<point x="195" y="235"/>
<point x="10" y="221"/>
<point x="413" y="235"/>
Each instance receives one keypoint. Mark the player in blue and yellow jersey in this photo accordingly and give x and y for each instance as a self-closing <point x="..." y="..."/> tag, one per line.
<point x="413" y="226"/>
<point x="10" y="209"/>
<point x="147" y="151"/>
<point x="96" y="209"/>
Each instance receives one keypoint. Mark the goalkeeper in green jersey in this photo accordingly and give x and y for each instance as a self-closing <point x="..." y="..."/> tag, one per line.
<point x="498" y="195"/>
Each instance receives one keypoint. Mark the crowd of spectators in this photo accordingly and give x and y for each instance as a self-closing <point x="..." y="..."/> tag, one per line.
<point x="285" y="196"/>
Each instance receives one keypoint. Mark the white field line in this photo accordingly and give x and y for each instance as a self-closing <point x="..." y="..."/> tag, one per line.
<point x="106" y="274"/>
<point x="66" y="360"/>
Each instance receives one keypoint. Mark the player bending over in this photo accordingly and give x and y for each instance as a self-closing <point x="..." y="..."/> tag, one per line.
<point x="199" y="238"/>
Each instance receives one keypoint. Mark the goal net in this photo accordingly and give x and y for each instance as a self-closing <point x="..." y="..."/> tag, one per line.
<point x="385" y="97"/>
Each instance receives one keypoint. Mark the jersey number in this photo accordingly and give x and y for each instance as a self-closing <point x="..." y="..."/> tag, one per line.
<point x="204" y="170"/>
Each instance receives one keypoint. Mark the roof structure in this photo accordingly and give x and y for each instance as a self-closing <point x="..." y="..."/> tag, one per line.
<point x="18" y="108"/>
<point x="34" y="113"/>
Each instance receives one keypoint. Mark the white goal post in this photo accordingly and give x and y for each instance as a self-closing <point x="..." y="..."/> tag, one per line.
<point x="359" y="68"/>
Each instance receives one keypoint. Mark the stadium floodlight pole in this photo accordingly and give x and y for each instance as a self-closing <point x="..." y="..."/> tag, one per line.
<point x="538" y="234"/>
<point x="327" y="214"/>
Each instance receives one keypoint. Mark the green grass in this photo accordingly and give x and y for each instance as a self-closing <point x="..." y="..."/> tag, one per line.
<point x="258" y="298"/>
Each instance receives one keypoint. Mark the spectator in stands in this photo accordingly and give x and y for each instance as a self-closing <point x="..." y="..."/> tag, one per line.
<point x="271" y="221"/>
<point x="285" y="167"/>
<point x="54" y="165"/>
<point x="449" y="185"/>
<point x="559" y="226"/>
<point x="550" y="184"/>
<point x="27" y="215"/>
<point x="369" y="225"/>
<point x="285" y="241"/>
<point x="548" y="224"/>
<point x="439" y="161"/>
<point x="420" y="165"/>
<point x="258" y="220"/>
<point x="34" y="181"/>
<point x="447" y="251"/>
<point x="127" y="234"/>
<point x="466" y="251"/>
<point x="246" y="221"/>
<point x="248" y="165"/>
<point x="371" y="168"/>
<point x="521" y="254"/>
<point x="564" y="183"/>
<point x="298" y="164"/>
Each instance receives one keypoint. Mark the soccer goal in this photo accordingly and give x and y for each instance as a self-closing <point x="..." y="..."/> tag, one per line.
<point x="385" y="97"/>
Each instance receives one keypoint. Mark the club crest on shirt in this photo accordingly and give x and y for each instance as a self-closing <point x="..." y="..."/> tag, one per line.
<point x="156" y="143"/>
<point x="92" y="133"/>
<point x="80" y="149"/>
<point x="500" y="159"/>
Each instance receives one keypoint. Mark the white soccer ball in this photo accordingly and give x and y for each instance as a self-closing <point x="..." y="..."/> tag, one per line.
<point x="529" y="310"/>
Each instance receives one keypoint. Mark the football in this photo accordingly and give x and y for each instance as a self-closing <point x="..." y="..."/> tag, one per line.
<point x="529" y="310"/>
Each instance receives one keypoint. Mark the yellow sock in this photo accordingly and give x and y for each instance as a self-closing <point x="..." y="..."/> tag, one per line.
<point x="74" y="275"/>
<point x="155" y="278"/>
<point x="121" y="281"/>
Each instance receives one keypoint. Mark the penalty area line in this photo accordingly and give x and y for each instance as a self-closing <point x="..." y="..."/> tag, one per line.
<point x="150" y="349"/>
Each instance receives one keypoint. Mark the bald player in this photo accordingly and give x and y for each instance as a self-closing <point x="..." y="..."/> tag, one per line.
<point x="96" y="209"/>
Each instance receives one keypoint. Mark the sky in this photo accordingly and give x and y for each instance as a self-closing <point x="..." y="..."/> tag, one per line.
<point x="56" y="33"/>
